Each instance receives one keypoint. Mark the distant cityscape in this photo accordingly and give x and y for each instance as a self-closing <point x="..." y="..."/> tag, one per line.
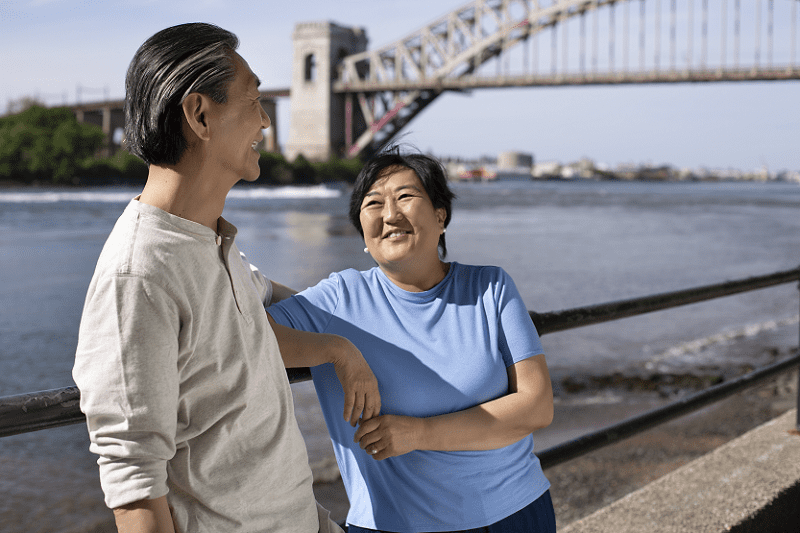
<point x="521" y="166"/>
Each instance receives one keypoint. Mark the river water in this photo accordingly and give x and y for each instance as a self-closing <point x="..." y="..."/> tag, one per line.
<point x="566" y="244"/>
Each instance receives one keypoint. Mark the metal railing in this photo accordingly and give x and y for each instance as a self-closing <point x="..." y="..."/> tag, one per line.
<point x="53" y="408"/>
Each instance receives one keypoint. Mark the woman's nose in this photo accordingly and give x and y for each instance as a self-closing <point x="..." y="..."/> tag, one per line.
<point x="390" y="212"/>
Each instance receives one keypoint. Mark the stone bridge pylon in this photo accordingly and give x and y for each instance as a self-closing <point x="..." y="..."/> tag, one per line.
<point x="317" y="113"/>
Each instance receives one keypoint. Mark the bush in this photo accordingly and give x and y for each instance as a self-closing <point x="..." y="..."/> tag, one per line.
<point x="121" y="168"/>
<point x="46" y="144"/>
<point x="49" y="144"/>
<point x="275" y="170"/>
<point x="337" y="170"/>
<point x="302" y="171"/>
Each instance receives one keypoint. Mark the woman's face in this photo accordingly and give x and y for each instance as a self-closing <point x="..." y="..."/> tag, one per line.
<point x="401" y="227"/>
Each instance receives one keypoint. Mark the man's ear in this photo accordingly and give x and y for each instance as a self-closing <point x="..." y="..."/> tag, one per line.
<point x="195" y="110"/>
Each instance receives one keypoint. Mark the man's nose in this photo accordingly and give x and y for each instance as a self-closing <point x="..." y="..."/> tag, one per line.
<point x="265" y="121"/>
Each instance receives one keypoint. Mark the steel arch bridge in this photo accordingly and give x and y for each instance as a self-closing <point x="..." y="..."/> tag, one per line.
<point x="516" y="43"/>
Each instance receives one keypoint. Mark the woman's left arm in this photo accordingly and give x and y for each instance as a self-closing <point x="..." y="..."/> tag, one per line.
<point x="528" y="406"/>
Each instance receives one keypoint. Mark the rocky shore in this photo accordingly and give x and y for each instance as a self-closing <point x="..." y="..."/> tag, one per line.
<point x="583" y="485"/>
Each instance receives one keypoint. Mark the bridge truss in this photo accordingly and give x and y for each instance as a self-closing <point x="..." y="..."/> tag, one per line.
<point x="496" y="43"/>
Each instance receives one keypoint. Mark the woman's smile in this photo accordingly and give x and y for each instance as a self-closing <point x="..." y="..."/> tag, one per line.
<point x="397" y="234"/>
<point x="401" y="226"/>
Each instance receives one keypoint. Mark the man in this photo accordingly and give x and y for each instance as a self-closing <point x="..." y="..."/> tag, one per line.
<point x="182" y="374"/>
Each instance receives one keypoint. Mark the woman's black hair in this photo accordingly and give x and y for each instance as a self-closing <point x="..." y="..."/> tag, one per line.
<point x="195" y="57"/>
<point x="429" y="171"/>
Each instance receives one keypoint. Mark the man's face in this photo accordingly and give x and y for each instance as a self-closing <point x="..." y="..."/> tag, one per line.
<point x="237" y="124"/>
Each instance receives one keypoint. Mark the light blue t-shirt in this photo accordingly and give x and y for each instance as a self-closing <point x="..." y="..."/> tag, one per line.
<point x="433" y="352"/>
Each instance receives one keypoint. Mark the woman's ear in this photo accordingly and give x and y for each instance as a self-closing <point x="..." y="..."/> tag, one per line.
<point x="441" y="215"/>
<point x="195" y="110"/>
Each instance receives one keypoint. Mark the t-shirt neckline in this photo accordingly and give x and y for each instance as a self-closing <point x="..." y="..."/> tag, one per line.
<point x="424" y="296"/>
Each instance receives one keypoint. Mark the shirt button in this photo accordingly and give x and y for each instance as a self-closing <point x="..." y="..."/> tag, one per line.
<point x="219" y="240"/>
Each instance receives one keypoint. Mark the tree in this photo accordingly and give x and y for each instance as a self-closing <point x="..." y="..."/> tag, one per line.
<point x="302" y="171"/>
<point x="46" y="144"/>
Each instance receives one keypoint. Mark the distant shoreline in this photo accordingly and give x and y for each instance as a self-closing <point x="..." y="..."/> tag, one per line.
<point x="10" y="184"/>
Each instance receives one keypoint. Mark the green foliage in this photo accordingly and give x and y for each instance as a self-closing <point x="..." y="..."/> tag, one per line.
<point x="122" y="167"/>
<point x="45" y="144"/>
<point x="302" y="171"/>
<point x="337" y="170"/>
<point x="275" y="170"/>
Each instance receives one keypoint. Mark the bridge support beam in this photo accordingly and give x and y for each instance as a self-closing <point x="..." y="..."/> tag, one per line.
<point x="109" y="116"/>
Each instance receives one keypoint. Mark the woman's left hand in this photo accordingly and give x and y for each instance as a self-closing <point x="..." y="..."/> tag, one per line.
<point x="389" y="435"/>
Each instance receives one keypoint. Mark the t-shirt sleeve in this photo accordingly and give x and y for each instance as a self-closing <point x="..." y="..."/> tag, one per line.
<point x="310" y="310"/>
<point x="517" y="334"/>
<point x="126" y="369"/>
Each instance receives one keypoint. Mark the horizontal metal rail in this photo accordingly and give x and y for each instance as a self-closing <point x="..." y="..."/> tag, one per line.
<point x="59" y="407"/>
<point x="40" y="410"/>
<point x="596" y="314"/>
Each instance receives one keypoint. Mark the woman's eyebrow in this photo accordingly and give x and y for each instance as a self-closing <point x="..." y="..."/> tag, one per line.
<point x="407" y="186"/>
<point x="399" y="188"/>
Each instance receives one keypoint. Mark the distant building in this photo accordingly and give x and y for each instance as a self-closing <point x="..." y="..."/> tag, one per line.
<point x="547" y="170"/>
<point x="514" y="161"/>
<point x="514" y="166"/>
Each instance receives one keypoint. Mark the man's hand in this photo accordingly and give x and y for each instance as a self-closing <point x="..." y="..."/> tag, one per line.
<point x="362" y="399"/>
<point x="389" y="435"/>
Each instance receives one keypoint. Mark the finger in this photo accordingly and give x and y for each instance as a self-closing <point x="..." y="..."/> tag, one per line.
<point x="374" y="451"/>
<point x="358" y="408"/>
<point x="380" y="452"/>
<point x="368" y="413"/>
<point x="366" y="427"/>
<point x="349" y="402"/>
<point x="372" y="408"/>
<point x="370" y="439"/>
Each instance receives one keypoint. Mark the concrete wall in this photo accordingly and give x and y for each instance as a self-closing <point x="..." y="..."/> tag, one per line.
<point x="751" y="484"/>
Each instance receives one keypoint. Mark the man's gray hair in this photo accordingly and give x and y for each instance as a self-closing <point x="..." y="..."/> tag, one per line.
<point x="170" y="65"/>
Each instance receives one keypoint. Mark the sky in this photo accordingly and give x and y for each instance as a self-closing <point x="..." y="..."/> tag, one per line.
<point x="52" y="47"/>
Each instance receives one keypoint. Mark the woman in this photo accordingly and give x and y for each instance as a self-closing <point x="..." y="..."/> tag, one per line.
<point x="462" y="376"/>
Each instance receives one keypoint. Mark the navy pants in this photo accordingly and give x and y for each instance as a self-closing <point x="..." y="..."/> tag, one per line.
<point x="538" y="517"/>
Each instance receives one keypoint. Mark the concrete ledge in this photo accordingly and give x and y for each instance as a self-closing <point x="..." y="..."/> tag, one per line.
<point x="750" y="484"/>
